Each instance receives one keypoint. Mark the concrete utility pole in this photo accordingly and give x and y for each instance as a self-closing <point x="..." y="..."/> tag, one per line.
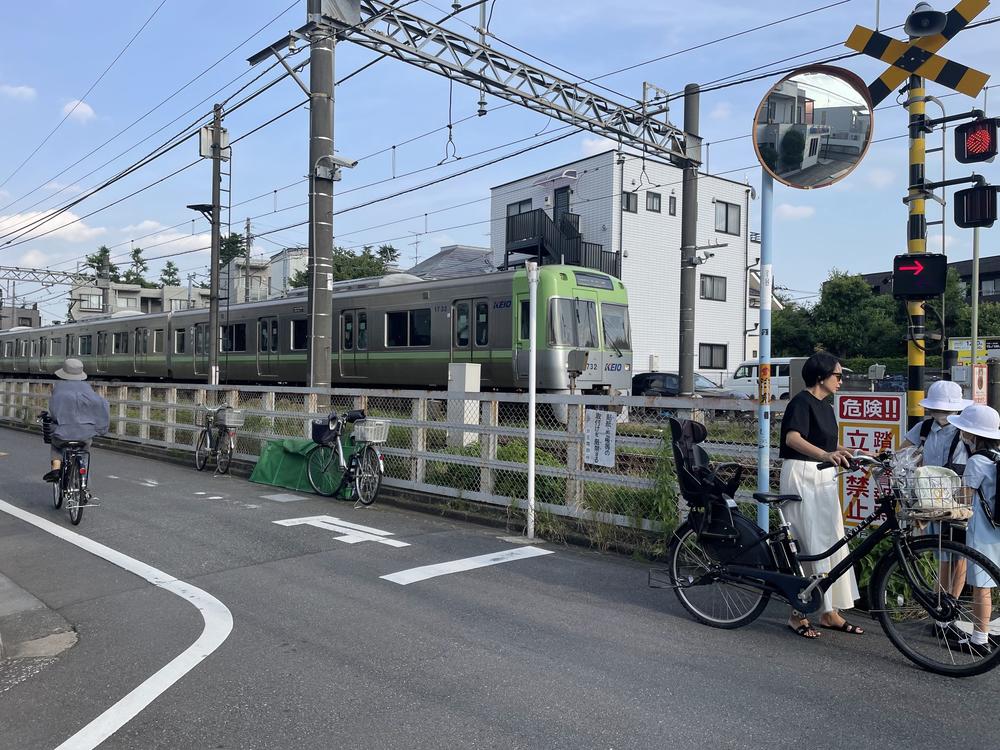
<point x="213" y="295"/>
<point x="689" y="237"/>
<point x="321" y="103"/>
<point x="248" y="239"/>
<point x="916" y="242"/>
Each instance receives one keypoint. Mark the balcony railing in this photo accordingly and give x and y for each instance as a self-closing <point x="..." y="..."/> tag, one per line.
<point x="534" y="234"/>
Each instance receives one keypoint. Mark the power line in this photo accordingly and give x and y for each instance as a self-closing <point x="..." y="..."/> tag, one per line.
<point x="82" y="98"/>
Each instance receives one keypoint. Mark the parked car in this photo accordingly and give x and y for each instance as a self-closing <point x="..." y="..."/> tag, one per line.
<point x="669" y="384"/>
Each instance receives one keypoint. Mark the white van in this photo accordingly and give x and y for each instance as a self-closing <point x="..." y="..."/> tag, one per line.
<point x="744" y="380"/>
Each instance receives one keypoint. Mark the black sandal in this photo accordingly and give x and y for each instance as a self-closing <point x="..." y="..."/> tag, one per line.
<point x="844" y="627"/>
<point x="803" y="631"/>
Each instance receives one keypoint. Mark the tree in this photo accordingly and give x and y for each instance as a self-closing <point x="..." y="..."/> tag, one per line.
<point x="169" y="276"/>
<point x="852" y="320"/>
<point x="350" y="265"/>
<point x="793" y="148"/>
<point x="97" y="262"/>
<point x="769" y="155"/>
<point x="792" y="330"/>
<point x="232" y="246"/>
<point x="136" y="273"/>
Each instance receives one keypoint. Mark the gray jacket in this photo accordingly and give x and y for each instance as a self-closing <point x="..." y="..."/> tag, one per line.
<point x="78" y="412"/>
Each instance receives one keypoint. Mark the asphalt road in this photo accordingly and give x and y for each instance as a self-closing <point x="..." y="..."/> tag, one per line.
<point x="562" y="650"/>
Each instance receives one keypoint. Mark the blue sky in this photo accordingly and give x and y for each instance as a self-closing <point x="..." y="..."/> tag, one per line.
<point x="54" y="53"/>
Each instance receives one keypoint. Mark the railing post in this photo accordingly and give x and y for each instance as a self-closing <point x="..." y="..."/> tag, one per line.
<point x="361" y="402"/>
<point x="144" y="411"/>
<point x="232" y="398"/>
<point x="489" y="417"/>
<point x="312" y="408"/>
<point x="122" y="397"/>
<point x="25" y="401"/>
<point x="574" y="455"/>
<point x="269" y="403"/>
<point x="169" y="431"/>
<point x="418" y="441"/>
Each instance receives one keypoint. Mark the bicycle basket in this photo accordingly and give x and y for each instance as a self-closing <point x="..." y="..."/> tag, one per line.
<point x="321" y="432"/>
<point x="934" y="493"/>
<point x="371" y="431"/>
<point x="230" y="418"/>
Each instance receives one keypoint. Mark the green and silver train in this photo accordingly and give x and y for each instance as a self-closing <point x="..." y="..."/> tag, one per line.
<point x="399" y="331"/>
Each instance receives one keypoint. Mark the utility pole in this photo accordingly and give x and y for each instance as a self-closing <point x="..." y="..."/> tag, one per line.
<point x="916" y="242"/>
<point x="246" y="284"/>
<point x="689" y="237"/>
<point x="213" y="295"/>
<point x="322" y="39"/>
<point x="190" y="279"/>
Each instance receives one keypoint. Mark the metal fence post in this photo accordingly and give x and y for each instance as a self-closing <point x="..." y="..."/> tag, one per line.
<point x="312" y="408"/>
<point x="361" y="402"/>
<point x="169" y="432"/>
<point x="268" y="403"/>
<point x="146" y="397"/>
<point x="418" y="441"/>
<point x="489" y="417"/>
<point x="122" y="397"/>
<point x="25" y="401"/>
<point x="574" y="455"/>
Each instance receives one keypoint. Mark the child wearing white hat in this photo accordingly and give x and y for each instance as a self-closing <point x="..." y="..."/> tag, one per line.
<point x="941" y="442"/>
<point x="980" y="428"/>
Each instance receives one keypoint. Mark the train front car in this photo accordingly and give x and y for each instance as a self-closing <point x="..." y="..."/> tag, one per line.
<point x="578" y="309"/>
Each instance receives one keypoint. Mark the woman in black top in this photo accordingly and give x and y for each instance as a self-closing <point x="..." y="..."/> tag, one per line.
<point x="809" y="437"/>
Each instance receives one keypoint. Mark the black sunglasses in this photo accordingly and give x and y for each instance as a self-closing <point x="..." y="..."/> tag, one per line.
<point x="838" y="375"/>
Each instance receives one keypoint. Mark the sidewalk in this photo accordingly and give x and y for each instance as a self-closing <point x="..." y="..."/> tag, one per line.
<point x="31" y="635"/>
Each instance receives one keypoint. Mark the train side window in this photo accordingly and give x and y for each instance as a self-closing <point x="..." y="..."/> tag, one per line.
<point x="462" y="324"/>
<point x="362" y="331"/>
<point x="179" y="341"/>
<point x="264" y="343"/>
<point x="86" y="345"/>
<point x="482" y="323"/>
<point x="274" y="335"/>
<point x="119" y="343"/>
<point x="300" y="334"/>
<point x="420" y="327"/>
<point x="8" y="347"/>
<point x="234" y="337"/>
<point x="525" y="318"/>
<point x="395" y="328"/>
<point x="55" y="347"/>
<point x="102" y="344"/>
<point x="158" y="341"/>
<point x="348" y="331"/>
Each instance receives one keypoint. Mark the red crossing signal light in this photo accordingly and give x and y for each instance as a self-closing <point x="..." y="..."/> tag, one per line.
<point x="976" y="141"/>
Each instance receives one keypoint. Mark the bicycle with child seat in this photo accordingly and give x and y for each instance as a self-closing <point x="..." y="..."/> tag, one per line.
<point x="724" y="569"/>
<point x="218" y="437"/>
<point x="71" y="488"/>
<point x="360" y="473"/>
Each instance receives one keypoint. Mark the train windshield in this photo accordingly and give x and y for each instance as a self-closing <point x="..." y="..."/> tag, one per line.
<point x="616" y="330"/>
<point x="573" y="322"/>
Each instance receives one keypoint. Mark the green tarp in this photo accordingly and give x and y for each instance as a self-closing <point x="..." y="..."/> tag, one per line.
<point x="283" y="464"/>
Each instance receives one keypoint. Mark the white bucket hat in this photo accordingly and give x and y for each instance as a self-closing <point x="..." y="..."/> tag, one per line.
<point x="978" y="419"/>
<point x="945" y="395"/>
<point x="72" y="369"/>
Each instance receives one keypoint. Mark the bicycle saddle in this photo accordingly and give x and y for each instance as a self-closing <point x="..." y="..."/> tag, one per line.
<point x="774" y="497"/>
<point x="354" y="415"/>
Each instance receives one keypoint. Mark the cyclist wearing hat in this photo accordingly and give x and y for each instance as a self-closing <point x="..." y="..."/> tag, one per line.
<point x="941" y="442"/>
<point x="980" y="427"/>
<point x="77" y="412"/>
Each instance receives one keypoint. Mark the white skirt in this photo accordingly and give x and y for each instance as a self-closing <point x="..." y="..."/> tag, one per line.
<point x="817" y="524"/>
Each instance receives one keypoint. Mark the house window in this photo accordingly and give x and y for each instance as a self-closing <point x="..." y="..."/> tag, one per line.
<point x="482" y="323"/>
<point x="24" y="321"/>
<point x="653" y="202"/>
<point x="130" y="303"/>
<point x="813" y="146"/>
<point x="300" y="335"/>
<point x="408" y="328"/>
<point x="520" y="207"/>
<point x="234" y="338"/>
<point x="713" y="287"/>
<point x="727" y="217"/>
<point x="672" y="205"/>
<point x="178" y="304"/>
<point x="712" y="356"/>
<point x="179" y="341"/>
<point x="630" y="202"/>
<point x="987" y="287"/>
<point x="91" y="302"/>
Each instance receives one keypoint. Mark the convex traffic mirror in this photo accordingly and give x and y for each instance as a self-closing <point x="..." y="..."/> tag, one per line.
<point x="813" y="127"/>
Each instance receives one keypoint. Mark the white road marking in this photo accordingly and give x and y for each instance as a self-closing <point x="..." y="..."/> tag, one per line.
<point x="283" y="497"/>
<point x="405" y="577"/>
<point x="215" y="497"/>
<point x="201" y="493"/>
<point x="218" y="625"/>
<point x="151" y="481"/>
<point x="352" y="533"/>
<point x="112" y="476"/>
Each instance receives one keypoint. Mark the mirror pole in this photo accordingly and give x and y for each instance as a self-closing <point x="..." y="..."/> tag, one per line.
<point x="764" y="345"/>
<point x="689" y="238"/>
<point x="916" y="242"/>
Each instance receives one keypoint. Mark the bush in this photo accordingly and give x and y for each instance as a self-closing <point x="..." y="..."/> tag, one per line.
<point x="793" y="148"/>
<point x="515" y="483"/>
<point x="456" y="476"/>
<point x="770" y="156"/>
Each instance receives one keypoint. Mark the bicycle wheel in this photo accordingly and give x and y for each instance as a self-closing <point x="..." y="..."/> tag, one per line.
<point x="697" y="580"/>
<point x="320" y="476"/>
<point x="202" y="450"/>
<point x="227" y="446"/>
<point x="904" y="593"/>
<point x="367" y="475"/>
<point x="57" y="492"/>
<point x="74" y="493"/>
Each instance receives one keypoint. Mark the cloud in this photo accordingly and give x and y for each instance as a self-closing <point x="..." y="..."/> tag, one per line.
<point x="146" y="225"/>
<point x="79" y="111"/>
<point x="77" y="231"/>
<point x="167" y="243"/>
<point x="951" y="242"/>
<point x="880" y="178"/>
<point x="721" y="111"/>
<point x="63" y="186"/>
<point x="788" y="212"/>
<point x="596" y="145"/>
<point x="24" y="93"/>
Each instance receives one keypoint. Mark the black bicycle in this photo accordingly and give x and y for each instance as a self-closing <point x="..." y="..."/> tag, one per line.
<point x="218" y="437"/>
<point x="724" y="569"/>
<point x="71" y="486"/>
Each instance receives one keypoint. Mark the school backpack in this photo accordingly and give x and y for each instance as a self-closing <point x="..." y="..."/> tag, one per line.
<point x="991" y="504"/>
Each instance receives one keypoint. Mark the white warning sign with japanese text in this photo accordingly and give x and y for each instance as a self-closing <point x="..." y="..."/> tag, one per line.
<point x="871" y="422"/>
<point x="599" y="437"/>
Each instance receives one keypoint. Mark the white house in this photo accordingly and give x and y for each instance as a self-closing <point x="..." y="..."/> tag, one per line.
<point x="622" y="214"/>
<point x="283" y="265"/>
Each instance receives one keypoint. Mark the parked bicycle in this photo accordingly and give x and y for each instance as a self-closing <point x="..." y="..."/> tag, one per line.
<point x="71" y="487"/>
<point x="724" y="569"/>
<point x="361" y="472"/>
<point x="218" y="437"/>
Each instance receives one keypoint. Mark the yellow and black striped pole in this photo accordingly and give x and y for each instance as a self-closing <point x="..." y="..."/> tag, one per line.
<point x="916" y="242"/>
